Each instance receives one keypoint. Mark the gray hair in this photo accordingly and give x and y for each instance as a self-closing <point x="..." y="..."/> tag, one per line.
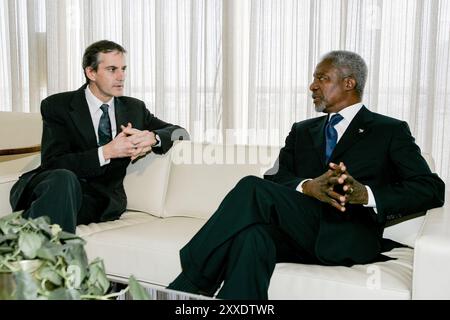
<point x="350" y="64"/>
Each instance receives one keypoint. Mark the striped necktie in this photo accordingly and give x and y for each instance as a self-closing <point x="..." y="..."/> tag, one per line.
<point x="104" y="127"/>
<point x="331" y="135"/>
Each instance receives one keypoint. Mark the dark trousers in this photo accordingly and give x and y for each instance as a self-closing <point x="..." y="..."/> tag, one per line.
<point x="258" y="224"/>
<point x="61" y="196"/>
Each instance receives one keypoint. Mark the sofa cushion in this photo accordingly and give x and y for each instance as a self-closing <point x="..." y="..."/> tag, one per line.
<point x="128" y="218"/>
<point x="201" y="175"/>
<point x="405" y="232"/>
<point x="148" y="247"/>
<point x="145" y="184"/>
<point x="390" y="280"/>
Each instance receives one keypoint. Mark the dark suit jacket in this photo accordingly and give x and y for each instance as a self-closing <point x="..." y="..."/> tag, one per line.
<point x="69" y="142"/>
<point x="379" y="152"/>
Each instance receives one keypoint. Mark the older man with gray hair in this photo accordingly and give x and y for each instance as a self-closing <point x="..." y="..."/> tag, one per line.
<point x="340" y="178"/>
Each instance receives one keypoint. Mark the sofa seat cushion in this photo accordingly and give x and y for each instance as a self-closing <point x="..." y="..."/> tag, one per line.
<point x="389" y="280"/>
<point x="128" y="218"/>
<point x="148" y="247"/>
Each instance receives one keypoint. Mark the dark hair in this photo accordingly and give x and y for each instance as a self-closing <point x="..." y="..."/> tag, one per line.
<point x="90" y="57"/>
<point x="350" y="64"/>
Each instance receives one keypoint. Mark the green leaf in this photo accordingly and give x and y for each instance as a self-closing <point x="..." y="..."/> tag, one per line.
<point x="43" y="224"/>
<point x="75" y="276"/>
<point x="97" y="277"/>
<point x="7" y="222"/>
<point x="10" y="217"/>
<point x="137" y="291"/>
<point x="75" y="252"/>
<point x="8" y="237"/>
<point x="49" y="251"/>
<point x="51" y="275"/>
<point x="29" y="243"/>
<point x="66" y="236"/>
<point x="4" y="249"/>
<point x="26" y="286"/>
<point x="15" y="229"/>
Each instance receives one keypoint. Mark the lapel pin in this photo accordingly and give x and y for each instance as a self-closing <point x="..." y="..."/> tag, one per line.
<point x="360" y="130"/>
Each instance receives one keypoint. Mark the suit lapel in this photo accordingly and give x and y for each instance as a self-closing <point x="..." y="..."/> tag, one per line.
<point x="82" y="117"/>
<point x="357" y="129"/>
<point x="121" y="112"/>
<point x="318" y="138"/>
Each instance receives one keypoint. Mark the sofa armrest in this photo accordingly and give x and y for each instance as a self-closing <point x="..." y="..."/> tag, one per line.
<point x="6" y="183"/>
<point x="20" y="150"/>
<point x="11" y="167"/>
<point x="431" y="273"/>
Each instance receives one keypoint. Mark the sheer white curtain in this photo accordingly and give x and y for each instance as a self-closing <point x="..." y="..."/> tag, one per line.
<point x="246" y="65"/>
<point x="405" y="43"/>
<point x="174" y="53"/>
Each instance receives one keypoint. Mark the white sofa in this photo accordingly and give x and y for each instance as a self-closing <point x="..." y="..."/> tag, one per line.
<point x="171" y="196"/>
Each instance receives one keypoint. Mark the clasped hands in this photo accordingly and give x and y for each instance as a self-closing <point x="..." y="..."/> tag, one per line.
<point x="130" y="142"/>
<point x="337" y="188"/>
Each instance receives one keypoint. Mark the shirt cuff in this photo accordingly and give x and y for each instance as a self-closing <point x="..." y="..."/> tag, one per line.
<point x="299" y="187"/>
<point x="371" y="201"/>
<point x="101" y="158"/>
<point x="158" y="144"/>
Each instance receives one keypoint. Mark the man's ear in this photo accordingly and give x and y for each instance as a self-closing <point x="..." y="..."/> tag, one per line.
<point x="349" y="83"/>
<point x="90" y="73"/>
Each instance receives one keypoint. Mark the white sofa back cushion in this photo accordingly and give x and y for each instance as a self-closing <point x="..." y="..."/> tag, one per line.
<point x="208" y="172"/>
<point x="145" y="184"/>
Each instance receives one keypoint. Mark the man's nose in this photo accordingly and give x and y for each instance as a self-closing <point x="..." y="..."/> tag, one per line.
<point x="313" y="85"/>
<point x="121" y="75"/>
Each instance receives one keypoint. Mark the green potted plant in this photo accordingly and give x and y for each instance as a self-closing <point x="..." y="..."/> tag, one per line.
<point x="40" y="261"/>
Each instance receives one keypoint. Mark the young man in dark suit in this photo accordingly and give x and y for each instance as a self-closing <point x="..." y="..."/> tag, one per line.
<point x="89" y="137"/>
<point x="337" y="182"/>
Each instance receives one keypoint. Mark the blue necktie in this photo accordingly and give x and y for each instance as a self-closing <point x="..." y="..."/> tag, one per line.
<point x="104" y="127"/>
<point x="331" y="135"/>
